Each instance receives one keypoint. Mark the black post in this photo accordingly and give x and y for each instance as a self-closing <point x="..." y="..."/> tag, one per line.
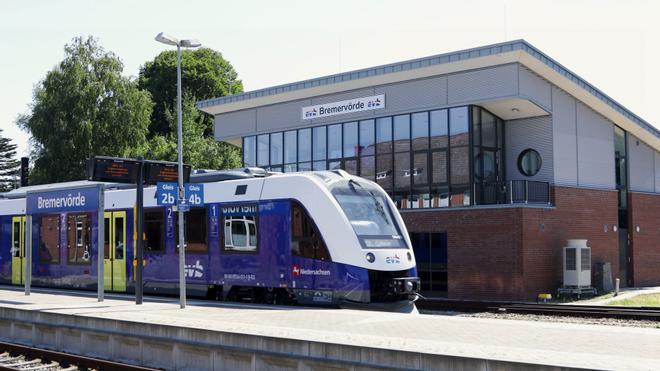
<point x="139" y="222"/>
<point x="24" y="171"/>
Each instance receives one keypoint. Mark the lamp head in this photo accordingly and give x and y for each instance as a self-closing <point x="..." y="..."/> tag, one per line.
<point x="167" y="39"/>
<point x="192" y="43"/>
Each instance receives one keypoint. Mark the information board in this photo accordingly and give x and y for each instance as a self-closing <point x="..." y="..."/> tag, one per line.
<point x="160" y="171"/>
<point x="109" y="169"/>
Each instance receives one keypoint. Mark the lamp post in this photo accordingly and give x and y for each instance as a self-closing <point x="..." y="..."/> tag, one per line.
<point x="169" y="40"/>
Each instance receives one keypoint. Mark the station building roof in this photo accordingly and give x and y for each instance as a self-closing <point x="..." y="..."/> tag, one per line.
<point x="517" y="51"/>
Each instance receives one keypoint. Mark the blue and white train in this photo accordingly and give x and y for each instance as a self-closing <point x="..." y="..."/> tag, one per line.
<point x="311" y="238"/>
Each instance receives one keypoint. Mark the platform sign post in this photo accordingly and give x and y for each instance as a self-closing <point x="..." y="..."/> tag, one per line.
<point x="28" y="253"/>
<point x="140" y="240"/>
<point x="100" y="245"/>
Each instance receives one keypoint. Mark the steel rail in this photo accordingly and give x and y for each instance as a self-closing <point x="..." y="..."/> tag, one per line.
<point x="592" y="311"/>
<point x="66" y="359"/>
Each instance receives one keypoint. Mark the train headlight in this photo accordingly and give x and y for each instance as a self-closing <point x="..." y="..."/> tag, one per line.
<point x="409" y="256"/>
<point x="409" y="286"/>
<point x="371" y="257"/>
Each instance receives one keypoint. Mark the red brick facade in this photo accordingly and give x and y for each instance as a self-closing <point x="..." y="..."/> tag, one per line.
<point x="515" y="253"/>
<point x="645" y="214"/>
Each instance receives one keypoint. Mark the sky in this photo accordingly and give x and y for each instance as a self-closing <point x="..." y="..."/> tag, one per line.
<point x="611" y="44"/>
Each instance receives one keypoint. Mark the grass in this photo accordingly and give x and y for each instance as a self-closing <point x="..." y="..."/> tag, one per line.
<point x="646" y="300"/>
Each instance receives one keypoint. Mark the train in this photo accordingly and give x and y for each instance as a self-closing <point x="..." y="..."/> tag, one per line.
<point x="310" y="238"/>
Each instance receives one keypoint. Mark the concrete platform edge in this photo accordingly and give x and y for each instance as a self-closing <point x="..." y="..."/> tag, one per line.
<point x="181" y="348"/>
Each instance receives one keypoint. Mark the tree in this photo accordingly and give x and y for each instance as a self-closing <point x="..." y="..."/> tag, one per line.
<point x="9" y="165"/>
<point x="205" y="74"/>
<point x="202" y="152"/>
<point x="82" y="108"/>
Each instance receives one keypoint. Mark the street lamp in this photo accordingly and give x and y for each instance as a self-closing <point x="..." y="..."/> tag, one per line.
<point x="169" y="40"/>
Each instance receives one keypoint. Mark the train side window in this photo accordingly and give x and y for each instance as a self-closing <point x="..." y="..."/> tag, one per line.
<point x="306" y="241"/>
<point x="79" y="233"/>
<point x="196" y="235"/>
<point x="49" y="239"/>
<point x="154" y="230"/>
<point x="240" y="233"/>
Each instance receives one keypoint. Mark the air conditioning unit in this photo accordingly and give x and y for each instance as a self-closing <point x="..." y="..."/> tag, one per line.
<point x="577" y="264"/>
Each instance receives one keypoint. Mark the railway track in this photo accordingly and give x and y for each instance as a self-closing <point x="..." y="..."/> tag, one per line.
<point x="19" y="357"/>
<point x="590" y="311"/>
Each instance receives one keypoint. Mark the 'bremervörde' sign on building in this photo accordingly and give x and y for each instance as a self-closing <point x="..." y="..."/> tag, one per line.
<point x="343" y="107"/>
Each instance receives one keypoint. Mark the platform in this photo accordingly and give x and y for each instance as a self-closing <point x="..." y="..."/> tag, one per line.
<point x="207" y="335"/>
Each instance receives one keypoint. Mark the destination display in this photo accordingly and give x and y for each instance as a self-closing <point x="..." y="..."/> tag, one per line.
<point x="160" y="171"/>
<point x="109" y="169"/>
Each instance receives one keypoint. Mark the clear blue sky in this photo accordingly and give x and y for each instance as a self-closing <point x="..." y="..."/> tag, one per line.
<point x="612" y="44"/>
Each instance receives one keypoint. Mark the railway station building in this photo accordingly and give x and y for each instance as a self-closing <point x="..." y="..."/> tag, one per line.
<point x="495" y="157"/>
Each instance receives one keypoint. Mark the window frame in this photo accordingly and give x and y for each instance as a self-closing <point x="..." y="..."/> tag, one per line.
<point x="223" y="247"/>
<point x="305" y="213"/>
<point x="59" y="239"/>
<point x="162" y="230"/>
<point x="89" y="236"/>
<point x="521" y="157"/>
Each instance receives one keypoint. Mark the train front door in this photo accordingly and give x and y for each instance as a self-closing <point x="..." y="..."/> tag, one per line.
<point x="114" y="247"/>
<point x="18" y="250"/>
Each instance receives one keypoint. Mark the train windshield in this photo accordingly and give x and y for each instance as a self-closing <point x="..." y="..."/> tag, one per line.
<point x="370" y="216"/>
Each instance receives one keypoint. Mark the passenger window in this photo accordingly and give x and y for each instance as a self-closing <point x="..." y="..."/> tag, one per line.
<point x="79" y="233"/>
<point x="49" y="239"/>
<point x="240" y="228"/>
<point x="306" y="241"/>
<point x="154" y="230"/>
<point x="196" y="236"/>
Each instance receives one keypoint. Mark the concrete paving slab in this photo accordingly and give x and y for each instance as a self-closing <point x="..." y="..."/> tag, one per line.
<point x="559" y="344"/>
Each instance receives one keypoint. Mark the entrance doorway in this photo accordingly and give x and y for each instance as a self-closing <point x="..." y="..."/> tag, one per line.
<point x="18" y="250"/>
<point x="114" y="250"/>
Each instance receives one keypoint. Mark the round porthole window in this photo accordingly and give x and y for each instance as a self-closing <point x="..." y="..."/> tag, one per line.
<point x="529" y="162"/>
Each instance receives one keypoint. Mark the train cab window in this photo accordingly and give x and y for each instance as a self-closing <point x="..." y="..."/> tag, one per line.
<point x="196" y="235"/>
<point x="154" y="230"/>
<point x="79" y="237"/>
<point x="49" y="239"/>
<point x="306" y="241"/>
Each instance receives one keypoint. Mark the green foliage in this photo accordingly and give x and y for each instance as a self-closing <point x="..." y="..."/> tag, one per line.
<point x="203" y="152"/>
<point x="84" y="107"/>
<point x="9" y="165"/>
<point x="204" y="74"/>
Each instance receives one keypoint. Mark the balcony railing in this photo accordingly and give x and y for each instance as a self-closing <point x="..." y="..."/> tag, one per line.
<point x="512" y="192"/>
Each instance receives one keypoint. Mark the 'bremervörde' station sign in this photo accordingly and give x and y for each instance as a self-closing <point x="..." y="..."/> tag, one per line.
<point x="77" y="199"/>
<point x="343" y="107"/>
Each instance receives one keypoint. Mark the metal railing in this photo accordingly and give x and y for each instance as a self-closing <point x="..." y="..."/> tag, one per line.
<point x="512" y="192"/>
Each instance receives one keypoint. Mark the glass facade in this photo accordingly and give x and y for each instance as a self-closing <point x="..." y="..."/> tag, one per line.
<point x="426" y="159"/>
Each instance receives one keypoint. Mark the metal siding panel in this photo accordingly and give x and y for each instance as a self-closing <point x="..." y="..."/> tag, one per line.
<point x="489" y="83"/>
<point x="414" y="95"/>
<point x="535" y="133"/>
<point x="595" y="149"/>
<point x="640" y="165"/>
<point x="340" y="97"/>
<point x="234" y="124"/>
<point x="533" y="86"/>
<point x="564" y="138"/>
<point x="281" y="116"/>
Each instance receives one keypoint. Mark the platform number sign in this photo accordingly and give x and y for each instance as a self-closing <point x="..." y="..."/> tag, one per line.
<point x="166" y="193"/>
<point x="194" y="194"/>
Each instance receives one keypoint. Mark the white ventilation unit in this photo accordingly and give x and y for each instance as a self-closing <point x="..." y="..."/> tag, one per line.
<point x="577" y="264"/>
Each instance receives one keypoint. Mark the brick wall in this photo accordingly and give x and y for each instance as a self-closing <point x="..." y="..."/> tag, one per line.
<point x="483" y="250"/>
<point x="515" y="253"/>
<point x="578" y="214"/>
<point x="644" y="212"/>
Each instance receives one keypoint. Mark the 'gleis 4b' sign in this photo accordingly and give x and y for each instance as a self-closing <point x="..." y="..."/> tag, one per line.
<point x="343" y="107"/>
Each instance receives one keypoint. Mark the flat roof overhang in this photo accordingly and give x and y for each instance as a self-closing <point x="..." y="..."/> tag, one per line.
<point x="517" y="51"/>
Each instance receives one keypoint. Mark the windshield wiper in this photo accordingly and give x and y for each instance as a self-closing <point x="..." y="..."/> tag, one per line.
<point x="379" y="208"/>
